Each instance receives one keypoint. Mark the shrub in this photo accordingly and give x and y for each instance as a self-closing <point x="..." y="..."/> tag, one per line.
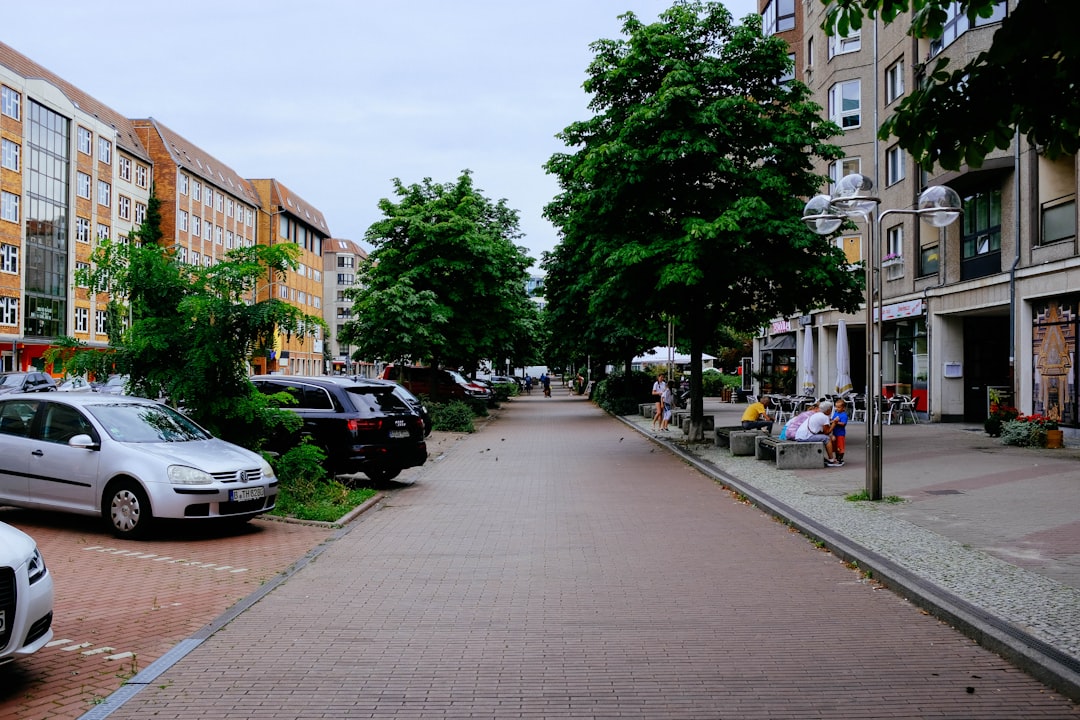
<point x="621" y="394"/>
<point x="505" y="391"/>
<point x="454" y="416"/>
<point x="1022" y="433"/>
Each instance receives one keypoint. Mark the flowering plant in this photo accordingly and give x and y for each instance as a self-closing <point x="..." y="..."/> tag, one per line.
<point x="892" y="256"/>
<point x="1047" y="423"/>
<point x="999" y="414"/>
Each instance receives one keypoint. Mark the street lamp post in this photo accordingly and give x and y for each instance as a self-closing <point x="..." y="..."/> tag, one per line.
<point x="851" y="199"/>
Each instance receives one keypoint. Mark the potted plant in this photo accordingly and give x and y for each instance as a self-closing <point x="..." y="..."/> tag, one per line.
<point x="999" y="414"/>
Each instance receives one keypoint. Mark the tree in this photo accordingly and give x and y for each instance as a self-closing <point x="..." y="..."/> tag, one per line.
<point x="445" y="281"/>
<point x="1024" y="83"/>
<point x="190" y="330"/>
<point x="683" y="197"/>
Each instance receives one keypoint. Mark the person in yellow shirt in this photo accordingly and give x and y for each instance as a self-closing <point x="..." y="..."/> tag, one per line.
<point x="757" y="416"/>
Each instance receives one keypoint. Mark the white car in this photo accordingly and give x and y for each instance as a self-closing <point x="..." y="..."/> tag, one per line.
<point x="26" y="596"/>
<point x="126" y="459"/>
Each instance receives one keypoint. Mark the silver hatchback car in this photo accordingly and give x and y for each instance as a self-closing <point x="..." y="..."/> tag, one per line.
<point x="126" y="459"/>
<point x="26" y="596"/>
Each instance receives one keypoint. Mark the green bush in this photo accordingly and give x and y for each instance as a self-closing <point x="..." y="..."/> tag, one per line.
<point x="505" y="391"/>
<point x="306" y="492"/>
<point x="621" y="394"/>
<point x="1023" y="433"/>
<point x="454" y="416"/>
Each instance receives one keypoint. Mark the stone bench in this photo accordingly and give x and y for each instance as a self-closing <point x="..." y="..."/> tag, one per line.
<point x="708" y="423"/>
<point x="741" y="442"/>
<point x="790" y="454"/>
<point x="722" y="434"/>
<point x="647" y="409"/>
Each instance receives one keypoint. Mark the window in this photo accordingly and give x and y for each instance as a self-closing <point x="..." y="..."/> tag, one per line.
<point x="956" y="24"/>
<point x="183" y="184"/>
<point x="104" y="151"/>
<point x="82" y="185"/>
<point x="208" y="197"/>
<point x="9" y="258"/>
<point x="928" y="260"/>
<point x="11" y="103"/>
<point x="778" y="16"/>
<point x="81" y="269"/>
<point x="845" y="102"/>
<point x="104" y="193"/>
<point x="894" y="81"/>
<point x="86" y="141"/>
<point x="9" y="206"/>
<point x="123" y="205"/>
<point x="9" y="311"/>
<point x="894" y="242"/>
<point x="229" y="239"/>
<point x="183" y="220"/>
<point x="219" y="202"/>
<point x="982" y="224"/>
<point x="100" y="317"/>
<point x="181" y="254"/>
<point x="346" y="261"/>
<point x="82" y="229"/>
<point x="142" y="174"/>
<point x="11" y="152"/>
<point x="841" y="44"/>
<point x="208" y="229"/>
<point x="346" y="279"/>
<point x="82" y="319"/>
<point x="840" y="168"/>
<point x="103" y="231"/>
<point x="140" y="213"/>
<point x="249" y="217"/>
<point x="894" y="165"/>
<point x="218" y="234"/>
<point x="196" y="191"/>
<point x="229" y="207"/>
<point x="123" y="165"/>
<point x="196" y="258"/>
<point x="1058" y="220"/>
<point x="196" y="225"/>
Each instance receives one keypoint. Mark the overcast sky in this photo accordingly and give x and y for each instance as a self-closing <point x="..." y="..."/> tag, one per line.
<point x="334" y="98"/>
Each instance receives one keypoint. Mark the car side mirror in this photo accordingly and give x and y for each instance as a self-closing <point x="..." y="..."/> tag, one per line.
<point x="84" y="441"/>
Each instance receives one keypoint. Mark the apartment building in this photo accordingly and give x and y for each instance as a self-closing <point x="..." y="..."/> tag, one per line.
<point x="286" y="217"/>
<point x="340" y="261"/>
<point x="73" y="171"/>
<point x="989" y="302"/>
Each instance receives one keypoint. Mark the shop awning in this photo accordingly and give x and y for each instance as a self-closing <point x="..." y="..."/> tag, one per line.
<point x="781" y="342"/>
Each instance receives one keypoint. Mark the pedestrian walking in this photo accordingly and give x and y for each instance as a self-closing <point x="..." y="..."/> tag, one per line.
<point x="658" y="389"/>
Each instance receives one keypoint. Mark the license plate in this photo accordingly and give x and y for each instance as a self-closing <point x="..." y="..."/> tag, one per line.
<point x="398" y="434"/>
<point x="242" y="494"/>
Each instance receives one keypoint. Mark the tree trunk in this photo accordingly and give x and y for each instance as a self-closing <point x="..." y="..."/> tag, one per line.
<point x="697" y="399"/>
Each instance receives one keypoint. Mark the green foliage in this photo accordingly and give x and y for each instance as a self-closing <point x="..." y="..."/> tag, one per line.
<point x="191" y="330"/>
<point x="713" y="384"/>
<point x="455" y="416"/>
<point x="445" y="282"/>
<point x="681" y="198"/>
<point x="1023" y="433"/>
<point x="300" y="469"/>
<point x="1024" y="83"/>
<point x="621" y="394"/>
<point x="505" y="391"/>
<point x="305" y="490"/>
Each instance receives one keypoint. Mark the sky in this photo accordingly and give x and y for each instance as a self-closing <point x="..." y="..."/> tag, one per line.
<point x="336" y="98"/>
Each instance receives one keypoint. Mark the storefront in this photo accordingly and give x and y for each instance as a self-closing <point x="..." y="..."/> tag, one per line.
<point x="905" y="352"/>
<point x="1053" y="348"/>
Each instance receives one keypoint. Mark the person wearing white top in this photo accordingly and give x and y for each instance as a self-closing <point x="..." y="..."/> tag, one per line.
<point x="817" y="428"/>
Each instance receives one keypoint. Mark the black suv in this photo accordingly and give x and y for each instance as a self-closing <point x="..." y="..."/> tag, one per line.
<point x="20" y="382"/>
<point x="361" y="426"/>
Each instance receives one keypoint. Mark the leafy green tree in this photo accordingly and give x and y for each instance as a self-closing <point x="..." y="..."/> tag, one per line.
<point x="683" y="196"/>
<point x="1025" y="82"/>
<point x="189" y="332"/>
<point x="445" y="282"/>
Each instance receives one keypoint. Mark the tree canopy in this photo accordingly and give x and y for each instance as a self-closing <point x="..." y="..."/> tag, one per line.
<point x="681" y="198"/>
<point x="445" y="281"/>
<point x="1025" y="82"/>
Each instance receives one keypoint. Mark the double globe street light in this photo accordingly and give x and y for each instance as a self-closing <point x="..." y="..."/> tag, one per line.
<point x="824" y="214"/>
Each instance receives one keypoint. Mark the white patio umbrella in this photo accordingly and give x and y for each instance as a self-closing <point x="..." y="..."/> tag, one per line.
<point x="843" y="360"/>
<point x="809" y="381"/>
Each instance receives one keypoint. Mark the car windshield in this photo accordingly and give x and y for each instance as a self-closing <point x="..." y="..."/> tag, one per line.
<point x="458" y="377"/>
<point x="376" y="398"/>
<point x="14" y="380"/>
<point x="142" y="423"/>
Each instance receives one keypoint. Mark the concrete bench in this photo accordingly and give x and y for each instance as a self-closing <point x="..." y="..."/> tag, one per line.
<point x="708" y="423"/>
<point x="741" y="442"/>
<point x="789" y="454"/>
<point x="723" y="434"/>
<point x="647" y="409"/>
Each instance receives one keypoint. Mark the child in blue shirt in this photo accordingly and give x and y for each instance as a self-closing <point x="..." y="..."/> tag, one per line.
<point x="839" y="419"/>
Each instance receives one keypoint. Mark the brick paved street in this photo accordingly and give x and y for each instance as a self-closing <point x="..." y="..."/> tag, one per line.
<point x="558" y="564"/>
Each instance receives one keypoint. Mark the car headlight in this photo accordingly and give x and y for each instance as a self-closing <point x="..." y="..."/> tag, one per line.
<point x="268" y="471"/>
<point x="35" y="569"/>
<point x="186" y="475"/>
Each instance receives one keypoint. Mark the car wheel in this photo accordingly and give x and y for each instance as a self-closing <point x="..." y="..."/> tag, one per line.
<point x="382" y="475"/>
<point x="127" y="510"/>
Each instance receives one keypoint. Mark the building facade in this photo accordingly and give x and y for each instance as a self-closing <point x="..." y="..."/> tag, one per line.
<point x="984" y="305"/>
<point x="341" y="260"/>
<point x="73" y="172"/>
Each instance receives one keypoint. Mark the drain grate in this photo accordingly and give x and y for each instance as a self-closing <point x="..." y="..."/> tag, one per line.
<point x="944" y="492"/>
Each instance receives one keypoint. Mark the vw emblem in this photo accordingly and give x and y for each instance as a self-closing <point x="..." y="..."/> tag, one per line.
<point x="244" y="476"/>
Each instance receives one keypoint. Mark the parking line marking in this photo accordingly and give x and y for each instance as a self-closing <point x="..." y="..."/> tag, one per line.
<point x="80" y="646"/>
<point x="120" y="656"/>
<point x="98" y="651"/>
<point x="163" y="558"/>
<point x="58" y="642"/>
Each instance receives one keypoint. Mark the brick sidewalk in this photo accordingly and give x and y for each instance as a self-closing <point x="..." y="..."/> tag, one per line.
<point x="556" y="564"/>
